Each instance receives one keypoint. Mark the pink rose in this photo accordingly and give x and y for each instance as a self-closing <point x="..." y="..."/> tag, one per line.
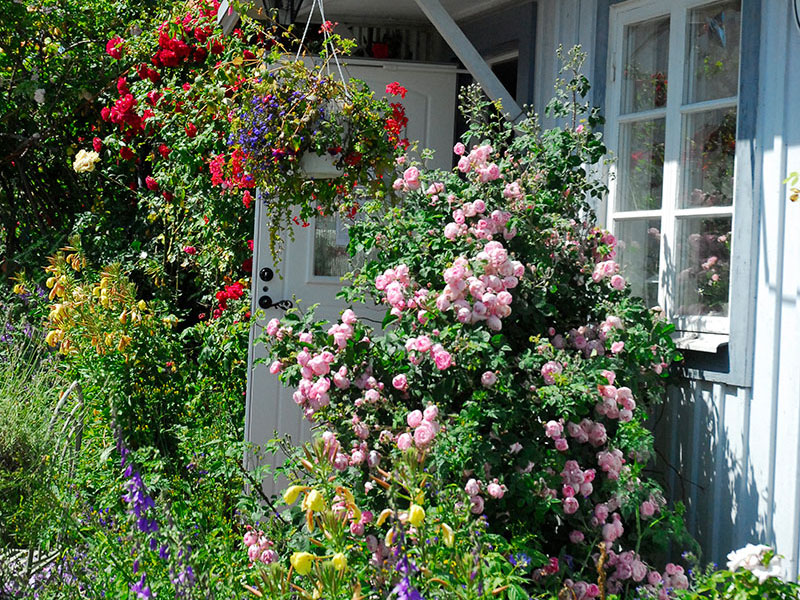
<point x="349" y="317"/>
<point x="400" y="382"/>
<point x="276" y="367"/>
<point x="617" y="347"/>
<point x="495" y="490"/>
<point x="618" y="282"/>
<point x="443" y="360"/>
<point x="473" y="487"/>
<point x="404" y="441"/>
<point x="571" y="505"/>
<point x="477" y="505"/>
<point x="488" y="379"/>
<point x="431" y="412"/>
<point x="459" y="149"/>
<point x="576" y="537"/>
<point x="414" y="418"/>
<point x="424" y="434"/>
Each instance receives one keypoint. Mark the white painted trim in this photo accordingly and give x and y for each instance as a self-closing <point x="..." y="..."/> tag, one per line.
<point x="621" y="16"/>
<point x="470" y="57"/>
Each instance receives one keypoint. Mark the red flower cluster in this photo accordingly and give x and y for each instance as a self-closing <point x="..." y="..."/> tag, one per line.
<point x="231" y="292"/>
<point x="238" y="178"/>
<point x="123" y="113"/>
<point x="114" y="47"/>
<point x="398" y="121"/>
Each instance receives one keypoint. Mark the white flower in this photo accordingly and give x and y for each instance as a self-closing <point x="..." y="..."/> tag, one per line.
<point x="85" y="161"/>
<point x="751" y="557"/>
<point x="38" y="95"/>
<point x="773" y="569"/>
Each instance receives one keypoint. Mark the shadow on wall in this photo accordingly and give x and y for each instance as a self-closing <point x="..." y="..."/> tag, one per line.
<point x="701" y="435"/>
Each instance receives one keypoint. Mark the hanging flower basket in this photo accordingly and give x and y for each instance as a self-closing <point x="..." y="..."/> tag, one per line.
<point x="308" y="139"/>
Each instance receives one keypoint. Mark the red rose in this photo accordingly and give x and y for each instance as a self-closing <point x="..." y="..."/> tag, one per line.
<point x="167" y="196"/>
<point x="151" y="183"/>
<point x="105" y="113"/>
<point x="191" y="130"/>
<point x="113" y="47"/>
<point x="122" y="86"/>
<point x="247" y="199"/>
<point x="126" y="153"/>
<point x="97" y="144"/>
<point x="164" y="150"/>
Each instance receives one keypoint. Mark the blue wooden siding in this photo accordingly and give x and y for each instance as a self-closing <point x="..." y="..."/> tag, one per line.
<point x="732" y="452"/>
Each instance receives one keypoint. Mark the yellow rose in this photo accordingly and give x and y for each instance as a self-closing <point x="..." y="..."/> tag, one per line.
<point x="291" y="493"/>
<point x="302" y="561"/>
<point x="85" y="161"/>
<point x="339" y="561"/>
<point x="416" y="515"/>
<point x="314" y="501"/>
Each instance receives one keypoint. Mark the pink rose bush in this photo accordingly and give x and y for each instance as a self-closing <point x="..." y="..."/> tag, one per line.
<point x="503" y="397"/>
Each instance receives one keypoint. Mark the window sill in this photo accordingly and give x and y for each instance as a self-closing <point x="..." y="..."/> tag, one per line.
<point x="700" y="342"/>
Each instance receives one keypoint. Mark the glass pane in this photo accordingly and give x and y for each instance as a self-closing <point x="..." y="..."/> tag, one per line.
<point x="712" y="53"/>
<point x="709" y="147"/>
<point x="704" y="265"/>
<point x="330" y="247"/>
<point x="644" y="67"/>
<point x="638" y="244"/>
<point x="641" y="165"/>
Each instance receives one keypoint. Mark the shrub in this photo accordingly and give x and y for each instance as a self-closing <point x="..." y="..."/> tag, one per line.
<point x="505" y="399"/>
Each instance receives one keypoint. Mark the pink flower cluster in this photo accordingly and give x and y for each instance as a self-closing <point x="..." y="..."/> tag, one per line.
<point x="617" y="403"/>
<point x="489" y="292"/>
<point x="611" y="461"/>
<point x="575" y="481"/>
<point x="425" y="346"/>
<point x="425" y="426"/>
<point x="588" y="431"/>
<point x="486" y="227"/>
<point x="626" y="565"/>
<point x="609" y="268"/>
<point x="394" y="283"/>
<point x="343" y="331"/>
<point x="344" y="511"/>
<point x="582" y="589"/>
<point x="478" y="162"/>
<point x="549" y="371"/>
<point x="259" y="548"/>
<point x="312" y="392"/>
<point x="408" y="182"/>
<point x="474" y="488"/>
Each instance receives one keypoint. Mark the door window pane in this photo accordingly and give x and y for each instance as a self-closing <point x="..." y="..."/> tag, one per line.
<point x="704" y="265"/>
<point x="330" y="247"/>
<point x="712" y="52"/>
<point x="644" y="77"/>
<point x="641" y="165"/>
<point x="638" y="247"/>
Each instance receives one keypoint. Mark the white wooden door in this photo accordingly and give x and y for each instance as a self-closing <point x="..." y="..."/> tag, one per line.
<point x="311" y="265"/>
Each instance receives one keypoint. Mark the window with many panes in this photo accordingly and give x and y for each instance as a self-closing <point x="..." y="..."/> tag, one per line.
<point x="672" y="114"/>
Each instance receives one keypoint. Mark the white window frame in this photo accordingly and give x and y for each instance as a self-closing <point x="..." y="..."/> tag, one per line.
<point x="704" y="333"/>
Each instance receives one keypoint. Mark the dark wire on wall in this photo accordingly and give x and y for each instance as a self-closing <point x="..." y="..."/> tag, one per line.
<point x="797" y="13"/>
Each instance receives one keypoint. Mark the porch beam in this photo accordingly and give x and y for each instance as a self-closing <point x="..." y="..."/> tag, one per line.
<point x="470" y="57"/>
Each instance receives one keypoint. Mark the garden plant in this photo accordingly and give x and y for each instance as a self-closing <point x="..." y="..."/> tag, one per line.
<point x="489" y="439"/>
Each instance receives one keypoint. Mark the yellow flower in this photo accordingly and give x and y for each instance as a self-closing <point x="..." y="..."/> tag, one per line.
<point x="448" y="537"/>
<point x="416" y="515"/>
<point x="385" y="514"/>
<point x="314" y="501"/>
<point x="291" y="493"/>
<point x="339" y="561"/>
<point x="302" y="561"/>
